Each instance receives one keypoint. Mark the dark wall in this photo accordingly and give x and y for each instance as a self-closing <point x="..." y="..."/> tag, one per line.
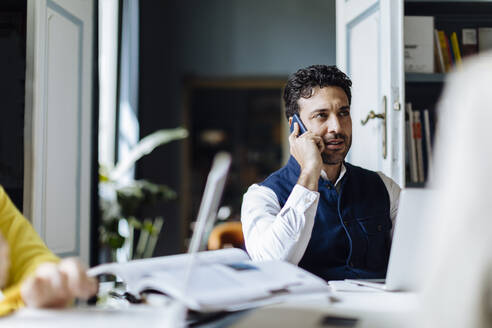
<point x="159" y="107"/>
<point x="12" y="85"/>
<point x="223" y="38"/>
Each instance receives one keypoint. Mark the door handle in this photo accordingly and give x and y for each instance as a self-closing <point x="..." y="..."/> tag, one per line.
<point x="373" y="115"/>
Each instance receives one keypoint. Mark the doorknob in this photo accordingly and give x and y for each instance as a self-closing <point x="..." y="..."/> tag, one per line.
<point x="373" y="115"/>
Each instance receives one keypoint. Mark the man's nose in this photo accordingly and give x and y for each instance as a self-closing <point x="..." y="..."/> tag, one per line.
<point x="333" y="124"/>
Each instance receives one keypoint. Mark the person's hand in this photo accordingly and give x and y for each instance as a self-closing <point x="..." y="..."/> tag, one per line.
<point x="307" y="149"/>
<point x="56" y="285"/>
<point x="4" y="261"/>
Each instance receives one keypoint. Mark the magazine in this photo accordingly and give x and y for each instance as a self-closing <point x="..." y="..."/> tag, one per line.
<point x="225" y="279"/>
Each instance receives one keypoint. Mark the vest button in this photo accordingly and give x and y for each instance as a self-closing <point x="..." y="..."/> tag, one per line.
<point x="351" y="264"/>
<point x="345" y="223"/>
<point x="380" y="227"/>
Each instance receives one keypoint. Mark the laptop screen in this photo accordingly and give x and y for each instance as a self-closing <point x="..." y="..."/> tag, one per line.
<point x="404" y="265"/>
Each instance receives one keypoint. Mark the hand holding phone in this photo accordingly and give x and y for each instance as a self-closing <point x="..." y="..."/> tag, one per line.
<point x="307" y="152"/>
<point x="302" y="128"/>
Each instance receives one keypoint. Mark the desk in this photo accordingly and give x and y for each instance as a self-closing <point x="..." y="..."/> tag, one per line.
<point x="373" y="309"/>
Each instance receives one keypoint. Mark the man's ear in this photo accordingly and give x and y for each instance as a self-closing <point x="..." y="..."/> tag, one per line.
<point x="290" y="121"/>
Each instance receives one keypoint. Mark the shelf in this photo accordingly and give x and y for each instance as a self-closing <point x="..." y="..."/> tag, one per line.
<point x="425" y="77"/>
<point x="415" y="185"/>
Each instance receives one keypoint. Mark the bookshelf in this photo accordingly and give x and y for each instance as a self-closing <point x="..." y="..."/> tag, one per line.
<point x="423" y="90"/>
<point x="376" y="29"/>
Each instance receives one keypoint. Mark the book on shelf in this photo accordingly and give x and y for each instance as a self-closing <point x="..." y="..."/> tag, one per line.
<point x="484" y="39"/>
<point x="456" y="48"/>
<point x="440" y="65"/>
<point x="452" y="59"/>
<point x="225" y="279"/>
<point x="411" y="143"/>
<point x="446" y="53"/>
<point x="419" y="44"/>
<point x="417" y="136"/>
<point x="469" y="41"/>
<point x="428" y="142"/>
<point x="409" y="164"/>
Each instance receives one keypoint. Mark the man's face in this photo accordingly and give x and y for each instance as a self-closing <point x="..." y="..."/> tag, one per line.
<point x="327" y="114"/>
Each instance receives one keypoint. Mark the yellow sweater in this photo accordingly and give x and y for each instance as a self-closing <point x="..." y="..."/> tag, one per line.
<point x="27" y="251"/>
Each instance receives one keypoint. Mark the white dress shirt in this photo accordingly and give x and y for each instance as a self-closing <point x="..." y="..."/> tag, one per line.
<point x="283" y="233"/>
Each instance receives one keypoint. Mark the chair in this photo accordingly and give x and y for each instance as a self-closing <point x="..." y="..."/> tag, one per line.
<point x="227" y="234"/>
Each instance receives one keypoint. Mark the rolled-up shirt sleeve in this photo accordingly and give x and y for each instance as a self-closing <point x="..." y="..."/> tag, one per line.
<point x="274" y="232"/>
<point x="394" y="195"/>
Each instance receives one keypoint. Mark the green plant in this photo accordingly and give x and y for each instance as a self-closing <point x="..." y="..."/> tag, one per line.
<point x="122" y="199"/>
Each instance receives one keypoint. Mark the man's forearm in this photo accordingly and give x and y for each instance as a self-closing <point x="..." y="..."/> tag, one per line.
<point x="278" y="233"/>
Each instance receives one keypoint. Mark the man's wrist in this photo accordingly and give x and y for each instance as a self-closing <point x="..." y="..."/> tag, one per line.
<point x="309" y="178"/>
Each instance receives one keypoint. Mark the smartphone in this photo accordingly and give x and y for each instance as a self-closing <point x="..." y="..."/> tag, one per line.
<point x="302" y="128"/>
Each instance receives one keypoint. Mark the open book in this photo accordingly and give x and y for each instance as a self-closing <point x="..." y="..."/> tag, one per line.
<point x="221" y="280"/>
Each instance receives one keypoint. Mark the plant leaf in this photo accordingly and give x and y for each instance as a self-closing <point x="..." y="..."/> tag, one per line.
<point x="146" y="146"/>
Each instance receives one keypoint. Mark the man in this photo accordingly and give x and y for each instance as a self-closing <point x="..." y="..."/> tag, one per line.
<point x="318" y="211"/>
<point x="30" y="274"/>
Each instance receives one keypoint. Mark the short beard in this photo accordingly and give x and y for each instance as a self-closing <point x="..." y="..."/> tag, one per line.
<point x="335" y="160"/>
<point x="329" y="161"/>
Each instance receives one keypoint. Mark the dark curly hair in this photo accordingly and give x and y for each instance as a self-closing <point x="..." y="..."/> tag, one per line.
<point x="302" y="82"/>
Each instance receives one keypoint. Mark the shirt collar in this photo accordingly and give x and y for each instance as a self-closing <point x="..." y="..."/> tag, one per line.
<point x="343" y="169"/>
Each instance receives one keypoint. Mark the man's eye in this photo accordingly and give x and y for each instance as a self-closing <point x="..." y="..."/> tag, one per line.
<point x="321" y="115"/>
<point x="344" y="113"/>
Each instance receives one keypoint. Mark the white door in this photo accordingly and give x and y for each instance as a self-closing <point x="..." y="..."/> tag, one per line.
<point x="58" y="123"/>
<point x="370" y="51"/>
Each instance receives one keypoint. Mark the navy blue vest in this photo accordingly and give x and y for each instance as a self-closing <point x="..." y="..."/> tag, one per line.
<point x="351" y="233"/>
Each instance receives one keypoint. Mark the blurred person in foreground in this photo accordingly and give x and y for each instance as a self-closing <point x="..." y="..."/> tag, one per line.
<point x="457" y="291"/>
<point x="30" y="274"/>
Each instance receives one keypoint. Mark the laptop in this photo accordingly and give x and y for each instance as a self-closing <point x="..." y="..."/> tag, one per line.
<point x="212" y="195"/>
<point x="404" y="262"/>
<point x="176" y="311"/>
